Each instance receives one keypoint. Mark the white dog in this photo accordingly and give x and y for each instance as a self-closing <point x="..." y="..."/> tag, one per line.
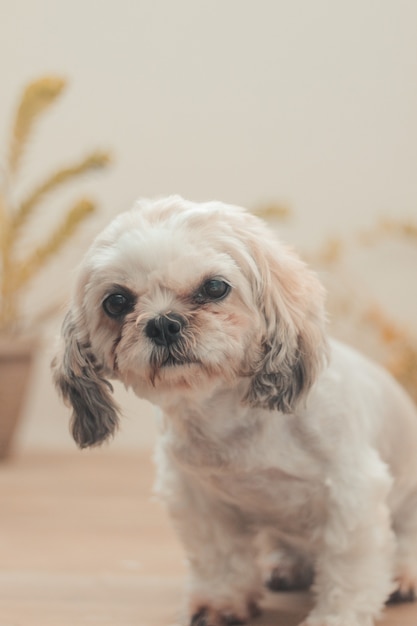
<point x="267" y="429"/>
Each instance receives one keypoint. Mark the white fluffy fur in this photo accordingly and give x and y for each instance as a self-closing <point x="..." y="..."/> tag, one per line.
<point x="280" y="452"/>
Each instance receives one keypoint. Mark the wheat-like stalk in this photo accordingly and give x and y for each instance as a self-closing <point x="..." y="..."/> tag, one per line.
<point x="15" y="273"/>
<point x="405" y="228"/>
<point x="36" y="98"/>
<point x="95" y="161"/>
<point x="402" y="348"/>
<point x="387" y="228"/>
<point x="272" y="211"/>
<point x="39" y="257"/>
<point x="3" y="219"/>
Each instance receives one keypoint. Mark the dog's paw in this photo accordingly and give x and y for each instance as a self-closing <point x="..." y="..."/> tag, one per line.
<point x="284" y="579"/>
<point x="208" y="616"/>
<point x="406" y="588"/>
<point x="288" y="571"/>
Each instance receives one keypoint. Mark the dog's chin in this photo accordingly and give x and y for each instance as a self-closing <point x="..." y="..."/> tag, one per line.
<point x="173" y="378"/>
<point x="174" y="374"/>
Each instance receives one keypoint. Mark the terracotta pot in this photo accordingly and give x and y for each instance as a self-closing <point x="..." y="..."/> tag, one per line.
<point x="16" y="358"/>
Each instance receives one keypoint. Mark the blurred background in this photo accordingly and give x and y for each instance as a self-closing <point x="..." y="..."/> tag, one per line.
<point x="305" y="112"/>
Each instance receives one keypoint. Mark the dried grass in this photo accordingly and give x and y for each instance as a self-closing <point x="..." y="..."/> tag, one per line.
<point x="15" y="274"/>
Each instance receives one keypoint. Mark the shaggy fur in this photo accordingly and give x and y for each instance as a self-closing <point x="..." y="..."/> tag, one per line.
<point x="284" y="458"/>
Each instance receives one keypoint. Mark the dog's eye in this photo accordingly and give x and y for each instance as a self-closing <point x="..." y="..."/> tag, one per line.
<point x="117" y="304"/>
<point x="214" y="289"/>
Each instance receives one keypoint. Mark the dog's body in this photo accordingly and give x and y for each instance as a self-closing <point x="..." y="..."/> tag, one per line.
<point x="273" y="440"/>
<point x="329" y="479"/>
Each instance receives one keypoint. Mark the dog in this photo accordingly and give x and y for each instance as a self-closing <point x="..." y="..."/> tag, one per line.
<point x="284" y="457"/>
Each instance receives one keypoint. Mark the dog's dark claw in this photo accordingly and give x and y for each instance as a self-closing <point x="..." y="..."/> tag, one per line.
<point x="199" y="618"/>
<point x="231" y="620"/>
<point x="254" y="609"/>
<point x="280" y="582"/>
<point x="203" y="618"/>
<point x="400" y="596"/>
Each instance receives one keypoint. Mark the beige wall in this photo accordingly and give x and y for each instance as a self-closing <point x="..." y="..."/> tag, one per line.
<point x="312" y="104"/>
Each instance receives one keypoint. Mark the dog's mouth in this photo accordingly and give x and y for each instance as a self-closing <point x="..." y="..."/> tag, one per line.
<point x="171" y="358"/>
<point x="172" y="361"/>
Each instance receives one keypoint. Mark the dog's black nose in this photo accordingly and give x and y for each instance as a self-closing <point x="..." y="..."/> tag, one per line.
<point x="165" y="329"/>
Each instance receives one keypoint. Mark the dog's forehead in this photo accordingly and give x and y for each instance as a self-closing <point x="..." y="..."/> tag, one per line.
<point x="162" y="256"/>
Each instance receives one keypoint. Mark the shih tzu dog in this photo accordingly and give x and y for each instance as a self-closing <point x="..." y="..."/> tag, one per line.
<point x="284" y="457"/>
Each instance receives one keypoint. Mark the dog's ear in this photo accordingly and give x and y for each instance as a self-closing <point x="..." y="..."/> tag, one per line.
<point x="294" y="347"/>
<point x="78" y="378"/>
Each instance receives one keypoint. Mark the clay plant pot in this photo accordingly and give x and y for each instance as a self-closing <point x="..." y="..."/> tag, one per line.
<point x="16" y="359"/>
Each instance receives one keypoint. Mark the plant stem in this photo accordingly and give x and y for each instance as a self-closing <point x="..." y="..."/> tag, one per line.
<point x="7" y="294"/>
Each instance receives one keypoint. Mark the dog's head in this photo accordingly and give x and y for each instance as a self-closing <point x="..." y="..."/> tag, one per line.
<point x="179" y="298"/>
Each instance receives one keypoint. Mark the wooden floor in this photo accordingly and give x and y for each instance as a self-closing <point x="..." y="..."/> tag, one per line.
<point x="82" y="543"/>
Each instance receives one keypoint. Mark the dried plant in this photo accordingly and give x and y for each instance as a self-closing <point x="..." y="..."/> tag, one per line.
<point x="273" y="211"/>
<point x="400" y="347"/>
<point x="405" y="229"/>
<point x="397" y="344"/>
<point x="16" y="272"/>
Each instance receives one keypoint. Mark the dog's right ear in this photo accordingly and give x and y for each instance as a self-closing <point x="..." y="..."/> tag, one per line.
<point x="77" y="377"/>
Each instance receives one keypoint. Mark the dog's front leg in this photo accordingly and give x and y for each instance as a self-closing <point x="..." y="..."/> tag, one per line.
<point x="224" y="582"/>
<point x="354" y="570"/>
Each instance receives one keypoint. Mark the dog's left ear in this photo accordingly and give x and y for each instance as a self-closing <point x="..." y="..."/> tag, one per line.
<point x="294" y="347"/>
<point x="79" y="379"/>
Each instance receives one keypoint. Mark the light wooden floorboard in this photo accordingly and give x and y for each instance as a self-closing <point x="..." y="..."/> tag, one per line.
<point x="83" y="543"/>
